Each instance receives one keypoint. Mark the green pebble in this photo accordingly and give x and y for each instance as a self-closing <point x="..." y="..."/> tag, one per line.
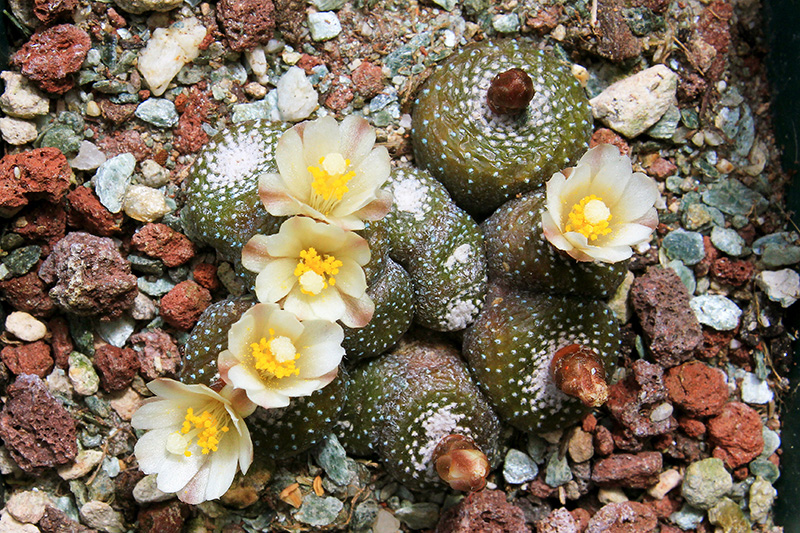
<point x="728" y="241"/>
<point x="765" y="469"/>
<point x="21" y="260"/>
<point x="733" y="198"/>
<point x="62" y="137"/>
<point x="330" y="455"/>
<point x="557" y="472"/>
<point x="729" y="517"/>
<point x="81" y="370"/>
<point x="685" y="246"/>
<point x="159" y="112"/>
<point x="776" y="255"/>
<point x="317" y="511"/>
<point x="518" y="467"/>
<point x="422" y="515"/>
<point x="705" y="483"/>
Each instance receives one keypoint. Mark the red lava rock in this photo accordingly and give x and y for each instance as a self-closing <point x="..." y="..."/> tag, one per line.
<point x="116" y="113"/>
<point x="157" y="354"/>
<point x="697" y="388"/>
<point x="42" y="222"/>
<point x="165" y="517"/>
<point x="713" y="27"/>
<point x="632" y="400"/>
<point x="38" y="174"/>
<point x="163" y="242"/>
<point x="626" y="440"/>
<point x="57" y="521"/>
<point x="661" y="303"/>
<point x="661" y="168"/>
<point x="189" y="133"/>
<point x="582" y="517"/>
<point x="607" y="136"/>
<point x="51" y="55"/>
<point x="637" y="471"/>
<point x="731" y="271"/>
<point x="246" y="23"/>
<point x="205" y="275"/>
<point x="664" y="507"/>
<point x="339" y="97"/>
<point x="545" y="20"/>
<point x="693" y="428"/>
<point x="686" y="449"/>
<point x="486" y="511"/>
<point x="116" y="20"/>
<point x="714" y="342"/>
<point x="603" y="441"/>
<point x="540" y="489"/>
<point x="615" y="39"/>
<point x="558" y="521"/>
<point x="124" y="141"/>
<point x="91" y="276"/>
<point x="36" y="428"/>
<point x="116" y="366"/>
<point x="736" y="433"/>
<point x="624" y="517"/>
<point x="48" y="11"/>
<point x="28" y="293"/>
<point x="31" y="358"/>
<point x="711" y="253"/>
<point x="589" y="423"/>
<point x="367" y="80"/>
<point x="308" y="62"/>
<point x="183" y="305"/>
<point x="87" y="213"/>
<point x="60" y="341"/>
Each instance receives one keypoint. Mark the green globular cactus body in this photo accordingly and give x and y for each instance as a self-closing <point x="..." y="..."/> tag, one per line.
<point x="404" y="403"/>
<point x="440" y="246"/>
<point x="223" y="209"/>
<point x="484" y="158"/>
<point x="276" y="433"/>
<point x="518" y="254"/>
<point x="511" y="345"/>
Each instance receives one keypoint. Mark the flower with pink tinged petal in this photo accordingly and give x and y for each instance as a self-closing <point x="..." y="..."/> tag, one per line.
<point x="602" y="209"/>
<point x="329" y="171"/>
<point x="195" y="438"/>
<point x="273" y="356"/>
<point x="313" y="270"/>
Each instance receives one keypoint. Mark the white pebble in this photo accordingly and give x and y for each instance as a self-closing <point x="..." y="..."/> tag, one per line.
<point x="17" y="131"/>
<point x="89" y="157"/>
<point x="611" y="495"/>
<point x="667" y="480"/>
<point x="21" y="98"/>
<point x="782" y="286"/>
<point x="145" y="204"/>
<point x="324" y="25"/>
<point x="385" y="523"/>
<point x="84" y="462"/>
<point x="297" y="98"/>
<point x="25" y="327"/>
<point x="168" y="50"/>
<point x="9" y="524"/>
<point x="146" y="491"/>
<point x="28" y="506"/>
<point x="100" y="515"/>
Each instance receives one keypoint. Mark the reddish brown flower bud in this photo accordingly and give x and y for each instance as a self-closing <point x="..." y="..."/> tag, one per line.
<point x="510" y="92"/>
<point x="578" y="371"/>
<point x="460" y="463"/>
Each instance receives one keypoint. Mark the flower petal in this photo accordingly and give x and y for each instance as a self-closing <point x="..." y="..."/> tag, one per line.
<point x="157" y="413"/>
<point x="553" y="234"/>
<point x="356" y="139"/>
<point x="254" y="253"/>
<point x="292" y="165"/>
<point x="610" y="172"/>
<point x="276" y="196"/>
<point x="370" y="176"/>
<point x="628" y="235"/>
<point x="320" y="138"/>
<point x="638" y="197"/>
<point x="222" y="466"/>
<point x="359" y="311"/>
<point x="554" y="187"/>
<point x="269" y="397"/>
<point x="276" y="280"/>
<point x="351" y="279"/>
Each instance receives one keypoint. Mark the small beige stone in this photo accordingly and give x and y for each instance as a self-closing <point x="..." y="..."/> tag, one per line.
<point x="28" y="506"/>
<point x="386" y="522"/>
<point x="21" y="98"/>
<point x="25" y="327"/>
<point x="126" y="402"/>
<point x="145" y="204"/>
<point x="84" y="463"/>
<point x="667" y="480"/>
<point x="146" y="491"/>
<point x="580" y="445"/>
<point x="92" y="109"/>
<point x="17" y="131"/>
<point x="99" y="515"/>
<point x="611" y="495"/>
<point x="9" y="524"/>
<point x="153" y="174"/>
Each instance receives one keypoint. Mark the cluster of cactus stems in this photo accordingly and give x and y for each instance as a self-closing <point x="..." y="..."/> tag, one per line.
<point x="538" y="339"/>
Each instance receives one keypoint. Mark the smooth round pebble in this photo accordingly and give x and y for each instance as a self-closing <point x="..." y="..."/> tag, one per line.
<point x="25" y="327"/>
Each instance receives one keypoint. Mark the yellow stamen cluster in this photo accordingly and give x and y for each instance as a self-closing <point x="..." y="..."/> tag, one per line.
<point x="316" y="272"/>
<point x="275" y="356"/>
<point x="590" y="218"/>
<point x="205" y="427"/>
<point x="330" y="181"/>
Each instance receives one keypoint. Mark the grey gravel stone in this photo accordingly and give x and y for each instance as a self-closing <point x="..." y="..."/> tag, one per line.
<point x="159" y="112"/>
<point x="558" y="471"/>
<point x="112" y="180"/>
<point x="518" y="467"/>
<point x="716" y="311"/>
<point x="423" y="515"/>
<point x="685" y="246"/>
<point x="729" y="241"/>
<point x="733" y="198"/>
<point x="762" y="496"/>
<point x="765" y="469"/>
<point x="324" y="25"/>
<point x="330" y="455"/>
<point x="705" y="483"/>
<point x="317" y="511"/>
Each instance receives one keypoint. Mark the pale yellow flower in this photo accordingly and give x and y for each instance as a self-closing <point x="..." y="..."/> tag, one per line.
<point x="602" y="209"/>
<point x="313" y="270"/>
<point x="273" y="356"/>
<point x="329" y="171"/>
<point x="196" y="438"/>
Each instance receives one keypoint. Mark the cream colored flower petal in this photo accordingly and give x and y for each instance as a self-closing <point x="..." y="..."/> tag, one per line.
<point x="627" y="235"/>
<point x="359" y="311"/>
<point x="649" y="219"/>
<point x="294" y="386"/>
<point x="245" y="445"/>
<point x="284" y="323"/>
<point x="222" y="466"/>
<point x="575" y="188"/>
<point x="243" y="376"/>
<point x="376" y="209"/>
<point x="151" y="450"/>
<point x="322" y="350"/>
<point x="320" y="138"/>
<point x="241" y="334"/>
<point x="276" y="196"/>
<point x="225" y="361"/>
<point x="290" y="238"/>
<point x="292" y="164"/>
<point x="638" y="197"/>
<point x="194" y="492"/>
<point x="554" y="188"/>
<point x="351" y="279"/>
<point x="356" y="139"/>
<point x="177" y="470"/>
<point x="157" y="413"/>
<point x="327" y="305"/>
<point x="370" y="176"/>
<point x="584" y="251"/>
<point x="254" y="253"/>
<point x="325" y="238"/>
<point x="610" y="170"/>
<point x="553" y="233"/>
<point x="276" y="280"/>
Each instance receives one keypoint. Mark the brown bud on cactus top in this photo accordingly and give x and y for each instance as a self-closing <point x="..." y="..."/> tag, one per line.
<point x="510" y="92"/>
<point x="460" y="463"/>
<point x="578" y="371"/>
